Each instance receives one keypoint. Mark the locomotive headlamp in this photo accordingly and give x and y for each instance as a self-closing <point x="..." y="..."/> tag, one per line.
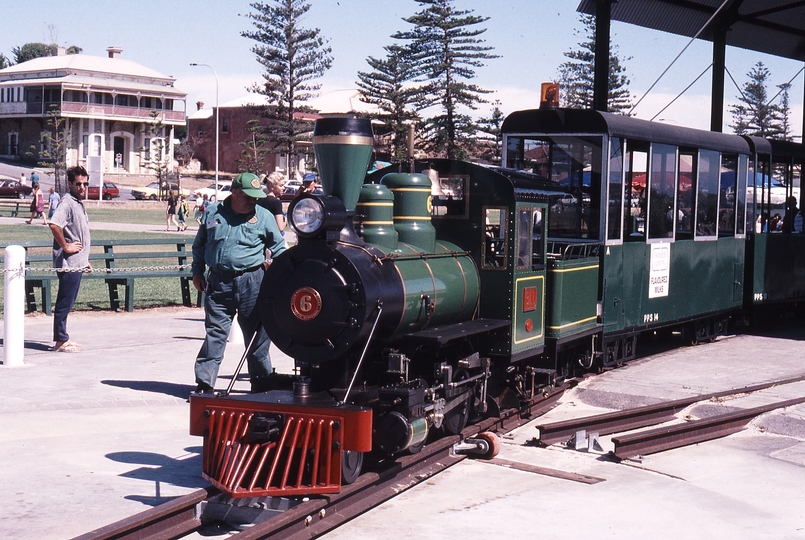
<point x="307" y="216"/>
<point x="312" y="215"/>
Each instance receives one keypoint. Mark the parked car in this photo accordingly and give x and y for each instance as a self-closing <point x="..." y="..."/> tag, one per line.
<point x="110" y="191"/>
<point x="289" y="193"/>
<point x="12" y="188"/>
<point x="151" y="191"/>
<point x="224" y="189"/>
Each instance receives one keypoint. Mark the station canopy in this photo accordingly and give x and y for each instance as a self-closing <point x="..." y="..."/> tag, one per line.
<point x="775" y="27"/>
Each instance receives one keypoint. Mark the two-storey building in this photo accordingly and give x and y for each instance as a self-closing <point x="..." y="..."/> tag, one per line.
<point x="108" y="104"/>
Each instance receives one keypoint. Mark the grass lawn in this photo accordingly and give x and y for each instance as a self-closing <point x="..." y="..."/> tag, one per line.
<point x="94" y="294"/>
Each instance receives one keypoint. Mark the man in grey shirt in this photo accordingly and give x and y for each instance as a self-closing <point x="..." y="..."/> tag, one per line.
<point x="71" y="242"/>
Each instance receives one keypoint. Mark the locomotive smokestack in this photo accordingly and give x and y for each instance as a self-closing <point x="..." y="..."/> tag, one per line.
<point x="343" y="149"/>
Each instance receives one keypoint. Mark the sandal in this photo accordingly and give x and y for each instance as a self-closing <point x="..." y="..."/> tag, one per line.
<point x="69" y="347"/>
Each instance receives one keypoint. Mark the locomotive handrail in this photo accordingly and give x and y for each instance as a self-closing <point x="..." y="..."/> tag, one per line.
<point x="567" y="252"/>
<point x="363" y="354"/>
<point x="425" y="255"/>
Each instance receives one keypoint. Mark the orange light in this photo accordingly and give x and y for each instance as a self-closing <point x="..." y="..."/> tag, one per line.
<point x="549" y="95"/>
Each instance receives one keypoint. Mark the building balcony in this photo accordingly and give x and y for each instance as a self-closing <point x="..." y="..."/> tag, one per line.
<point x="90" y="110"/>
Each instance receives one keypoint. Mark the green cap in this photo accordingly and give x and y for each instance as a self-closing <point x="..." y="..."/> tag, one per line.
<point x="249" y="184"/>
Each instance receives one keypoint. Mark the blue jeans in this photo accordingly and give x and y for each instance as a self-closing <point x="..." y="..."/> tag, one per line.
<point x="65" y="298"/>
<point x="227" y="295"/>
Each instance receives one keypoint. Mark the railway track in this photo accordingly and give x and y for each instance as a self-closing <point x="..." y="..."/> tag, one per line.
<point x="318" y="515"/>
<point x="666" y="437"/>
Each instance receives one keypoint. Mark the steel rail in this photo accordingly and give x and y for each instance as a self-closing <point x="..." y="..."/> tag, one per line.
<point x="319" y="516"/>
<point x="326" y="512"/>
<point x="628" y="419"/>
<point x="678" y="435"/>
<point x="169" y="520"/>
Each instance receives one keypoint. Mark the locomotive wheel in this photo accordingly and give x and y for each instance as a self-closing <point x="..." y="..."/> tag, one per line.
<point x="351" y="465"/>
<point x="456" y="419"/>
<point x="494" y="444"/>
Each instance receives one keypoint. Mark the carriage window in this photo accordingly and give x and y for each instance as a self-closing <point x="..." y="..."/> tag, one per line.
<point x="573" y="164"/>
<point x="537" y="253"/>
<point x="662" y="188"/>
<point x="634" y="202"/>
<point x="726" y="195"/>
<point x="494" y="254"/>
<point x="707" y="193"/>
<point x="684" y="194"/>
<point x="524" y="238"/>
<point x="740" y="195"/>
<point x="452" y="200"/>
<point x="615" y="190"/>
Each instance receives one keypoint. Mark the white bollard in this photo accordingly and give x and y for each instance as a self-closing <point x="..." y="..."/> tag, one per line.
<point x="14" y="307"/>
<point x="235" y="333"/>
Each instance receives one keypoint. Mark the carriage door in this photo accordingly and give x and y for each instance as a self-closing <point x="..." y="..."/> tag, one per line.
<point x="528" y="317"/>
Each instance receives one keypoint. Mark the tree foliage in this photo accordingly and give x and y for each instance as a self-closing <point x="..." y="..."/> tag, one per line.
<point x="253" y="155"/>
<point x="293" y="58"/>
<point x="53" y="155"/>
<point x="754" y="115"/>
<point x="445" y="49"/>
<point x="388" y="88"/>
<point x="157" y="156"/>
<point x="32" y="50"/>
<point x="577" y="75"/>
<point x="4" y="61"/>
<point x="491" y="128"/>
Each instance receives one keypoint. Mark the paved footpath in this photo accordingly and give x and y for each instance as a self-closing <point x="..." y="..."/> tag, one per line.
<point x="93" y="437"/>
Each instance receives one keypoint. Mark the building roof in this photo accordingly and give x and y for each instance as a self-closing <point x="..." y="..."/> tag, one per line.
<point x="775" y="27"/>
<point x="82" y="65"/>
<point x="97" y="81"/>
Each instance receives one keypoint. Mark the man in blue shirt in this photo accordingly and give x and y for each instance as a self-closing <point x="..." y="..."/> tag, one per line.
<point x="232" y="242"/>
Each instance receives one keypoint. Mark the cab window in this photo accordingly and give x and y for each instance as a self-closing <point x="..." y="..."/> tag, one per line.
<point x="494" y="254"/>
<point x="530" y="239"/>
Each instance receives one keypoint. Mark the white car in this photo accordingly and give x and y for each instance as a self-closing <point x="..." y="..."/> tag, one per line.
<point x="224" y="189"/>
<point x="151" y="191"/>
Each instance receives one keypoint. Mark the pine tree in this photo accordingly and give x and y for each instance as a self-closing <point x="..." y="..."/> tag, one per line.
<point x="156" y="155"/>
<point x="293" y="58"/>
<point x="445" y="49"/>
<point x="253" y="156"/>
<point x="54" y="148"/>
<point x="4" y="61"/>
<point x="754" y="116"/>
<point x="492" y="128"/>
<point x="785" y="113"/>
<point x="576" y="76"/>
<point x="388" y="88"/>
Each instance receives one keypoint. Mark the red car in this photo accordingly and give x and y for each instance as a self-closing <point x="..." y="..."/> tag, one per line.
<point x="110" y="191"/>
<point x="12" y="188"/>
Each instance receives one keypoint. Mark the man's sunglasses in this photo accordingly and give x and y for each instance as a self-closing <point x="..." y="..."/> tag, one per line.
<point x="79" y="184"/>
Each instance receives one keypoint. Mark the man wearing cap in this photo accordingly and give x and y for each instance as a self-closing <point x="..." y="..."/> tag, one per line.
<point x="232" y="242"/>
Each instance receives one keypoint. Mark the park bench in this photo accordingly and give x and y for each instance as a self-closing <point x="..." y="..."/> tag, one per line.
<point x="12" y="207"/>
<point x="150" y="264"/>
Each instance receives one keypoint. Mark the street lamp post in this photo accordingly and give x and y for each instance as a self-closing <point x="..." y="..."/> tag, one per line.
<point x="216" y="126"/>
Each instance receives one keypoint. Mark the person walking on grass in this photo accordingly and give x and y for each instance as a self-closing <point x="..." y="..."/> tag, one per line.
<point x="37" y="205"/>
<point x="170" y="212"/>
<point x="53" y="202"/>
<point x="182" y="213"/>
<point x="71" y="243"/>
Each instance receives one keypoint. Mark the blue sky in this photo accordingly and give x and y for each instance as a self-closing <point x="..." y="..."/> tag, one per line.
<point x="529" y="35"/>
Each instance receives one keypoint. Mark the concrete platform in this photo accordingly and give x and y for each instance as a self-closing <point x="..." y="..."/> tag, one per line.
<point x="93" y="437"/>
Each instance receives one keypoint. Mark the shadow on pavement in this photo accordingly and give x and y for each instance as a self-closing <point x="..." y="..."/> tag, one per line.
<point x="162" y="470"/>
<point x="158" y="387"/>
